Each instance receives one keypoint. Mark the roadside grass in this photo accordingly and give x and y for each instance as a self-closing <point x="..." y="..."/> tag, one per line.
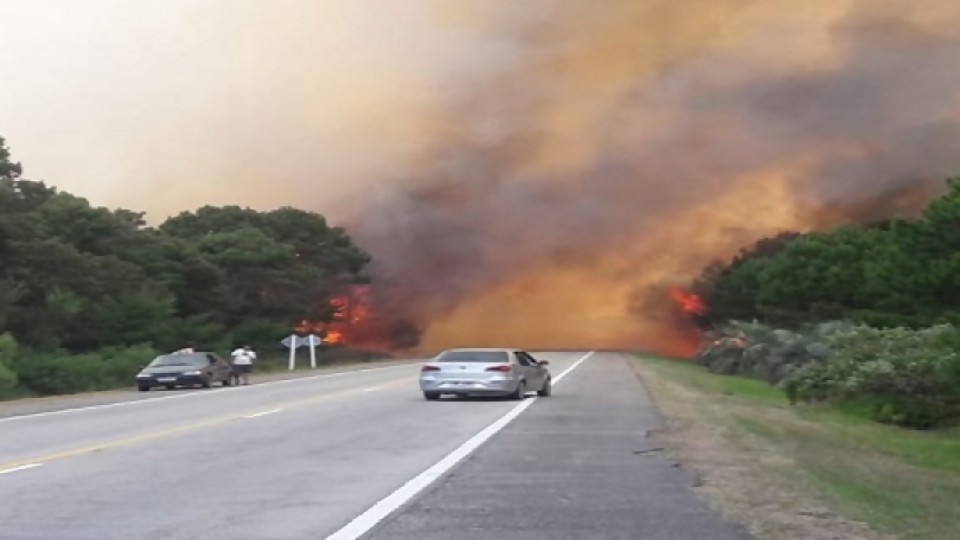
<point x="900" y="482"/>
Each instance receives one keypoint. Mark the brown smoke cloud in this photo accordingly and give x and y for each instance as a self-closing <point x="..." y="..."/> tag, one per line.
<point x="626" y="144"/>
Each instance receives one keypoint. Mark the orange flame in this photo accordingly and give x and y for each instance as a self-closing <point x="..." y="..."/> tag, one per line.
<point x="334" y="337"/>
<point x="349" y="321"/>
<point x="689" y="302"/>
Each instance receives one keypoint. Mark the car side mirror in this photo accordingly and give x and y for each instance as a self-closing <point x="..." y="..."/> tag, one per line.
<point x="544" y="363"/>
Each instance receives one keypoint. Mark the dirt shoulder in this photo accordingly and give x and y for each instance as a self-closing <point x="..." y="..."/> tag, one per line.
<point x="803" y="474"/>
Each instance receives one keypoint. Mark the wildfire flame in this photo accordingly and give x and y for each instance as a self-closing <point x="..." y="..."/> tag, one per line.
<point x="354" y="322"/>
<point x="694" y="310"/>
<point x="350" y="312"/>
<point x="334" y="337"/>
<point x="688" y="302"/>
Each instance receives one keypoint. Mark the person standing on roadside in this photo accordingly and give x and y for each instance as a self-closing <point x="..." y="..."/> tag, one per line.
<point x="243" y="359"/>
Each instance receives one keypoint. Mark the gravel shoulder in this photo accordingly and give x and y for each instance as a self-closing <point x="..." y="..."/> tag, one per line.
<point x="747" y="474"/>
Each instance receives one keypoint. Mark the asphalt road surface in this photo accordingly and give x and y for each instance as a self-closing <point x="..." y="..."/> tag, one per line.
<point x="350" y="455"/>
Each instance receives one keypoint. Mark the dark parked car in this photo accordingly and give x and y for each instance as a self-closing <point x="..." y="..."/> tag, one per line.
<point x="184" y="369"/>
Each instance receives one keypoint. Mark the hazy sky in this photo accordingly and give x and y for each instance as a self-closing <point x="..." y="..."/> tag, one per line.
<point x="164" y="105"/>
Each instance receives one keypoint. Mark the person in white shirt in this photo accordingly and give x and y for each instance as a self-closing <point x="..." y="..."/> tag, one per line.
<point x="243" y="359"/>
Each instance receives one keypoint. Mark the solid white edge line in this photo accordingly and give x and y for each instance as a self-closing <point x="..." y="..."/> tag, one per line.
<point x="21" y="468"/>
<point x="264" y="413"/>
<point x="199" y="394"/>
<point x="366" y="521"/>
<point x="567" y="371"/>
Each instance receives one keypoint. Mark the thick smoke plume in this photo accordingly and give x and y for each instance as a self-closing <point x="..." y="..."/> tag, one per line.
<point x="621" y="146"/>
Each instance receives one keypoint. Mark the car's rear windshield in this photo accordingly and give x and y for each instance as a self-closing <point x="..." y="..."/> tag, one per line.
<point x="490" y="357"/>
<point x="179" y="360"/>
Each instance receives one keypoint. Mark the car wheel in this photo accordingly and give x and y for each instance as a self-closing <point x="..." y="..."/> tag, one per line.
<point x="227" y="382"/>
<point x="206" y="383"/>
<point x="143" y="388"/>
<point x="169" y="386"/>
<point x="547" y="389"/>
<point x="431" y="396"/>
<point x="521" y="391"/>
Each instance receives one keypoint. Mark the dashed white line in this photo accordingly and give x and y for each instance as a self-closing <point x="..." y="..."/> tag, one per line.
<point x="374" y="389"/>
<point x="264" y="413"/>
<point x="21" y="468"/>
<point x="366" y="521"/>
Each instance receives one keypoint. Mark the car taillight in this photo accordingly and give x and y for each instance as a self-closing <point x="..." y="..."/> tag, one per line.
<point x="429" y="368"/>
<point x="502" y="369"/>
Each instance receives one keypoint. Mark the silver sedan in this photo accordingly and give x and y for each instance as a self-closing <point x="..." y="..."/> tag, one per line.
<point x="488" y="372"/>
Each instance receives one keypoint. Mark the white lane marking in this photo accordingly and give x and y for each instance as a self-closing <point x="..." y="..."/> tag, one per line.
<point x="219" y="391"/>
<point x="575" y="365"/>
<point x="21" y="468"/>
<point x="374" y="389"/>
<point x="264" y="413"/>
<point x="366" y="521"/>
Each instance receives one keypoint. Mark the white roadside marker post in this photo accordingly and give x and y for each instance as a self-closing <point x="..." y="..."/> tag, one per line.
<point x="293" y="351"/>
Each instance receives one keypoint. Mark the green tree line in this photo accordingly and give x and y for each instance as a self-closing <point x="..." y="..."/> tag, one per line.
<point x="865" y="315"/>
<point x="897" y="273"/>
<point x="81" y="283"/>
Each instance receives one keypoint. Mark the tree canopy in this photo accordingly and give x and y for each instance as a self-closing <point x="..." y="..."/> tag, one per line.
<point x="78" y="277"/>
<point x="896" y="273"/>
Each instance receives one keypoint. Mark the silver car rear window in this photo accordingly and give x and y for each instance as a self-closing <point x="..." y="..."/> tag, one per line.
<point x="487" y="357"/>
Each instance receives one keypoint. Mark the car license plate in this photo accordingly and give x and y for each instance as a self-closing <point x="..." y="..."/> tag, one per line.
<point x="167" y="379"/>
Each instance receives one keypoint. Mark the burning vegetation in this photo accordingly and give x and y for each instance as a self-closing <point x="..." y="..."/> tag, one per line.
<point x="689" y="302"/>
<point x="354" y="323"/>
<point x="625" y="146"/>
<point x="567" y="166"/>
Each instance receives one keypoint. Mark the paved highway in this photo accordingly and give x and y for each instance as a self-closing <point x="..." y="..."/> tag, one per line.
<point x="349" y="455"/>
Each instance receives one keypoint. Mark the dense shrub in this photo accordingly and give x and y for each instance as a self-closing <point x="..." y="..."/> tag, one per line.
<point x="8" y="350"/>
<point x="60" y="372"/>
<point x="759" y="351"/>
<point x="908" y="377"/>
